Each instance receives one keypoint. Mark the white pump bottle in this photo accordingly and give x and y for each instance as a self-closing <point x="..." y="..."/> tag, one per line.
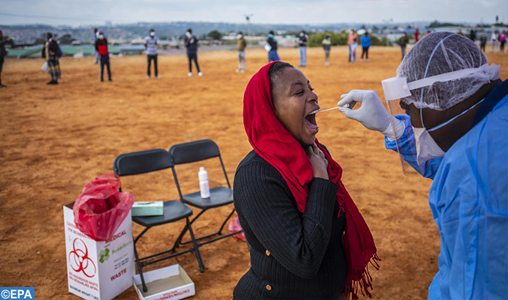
<point x="203" y="183"/>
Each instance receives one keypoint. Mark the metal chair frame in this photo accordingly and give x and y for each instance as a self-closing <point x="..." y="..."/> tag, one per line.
<point x="185" y="157"/>
<point x="141" y="164"/>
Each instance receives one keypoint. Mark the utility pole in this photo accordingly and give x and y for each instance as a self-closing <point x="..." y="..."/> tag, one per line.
<point x="247" y="18"/>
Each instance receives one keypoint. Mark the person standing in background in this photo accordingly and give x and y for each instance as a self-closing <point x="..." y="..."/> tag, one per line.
<point x="151" y="53"/>
<point x="3" y="54"/>
<point x="240" y="46"/>
<point x="49" y="52"/>
<point x="354" y="46"/>
<point x="366" y="42"/>
<point x="327" y="46"/>
<point x="403" y="41"/>
<point x="302" y="47"/>
<point x="95" y="36"/>
<point x="101" y="46"/>
<point x="191" y="43"/>
<point x="272" y="41"/>
<point x="483" y="41"/>
<point x="416" y="35"/>
<point x="352" y="36"/>
<point x="493" y="40"/>
<point x="472" y="35"/>
<point x="502" y="40"/>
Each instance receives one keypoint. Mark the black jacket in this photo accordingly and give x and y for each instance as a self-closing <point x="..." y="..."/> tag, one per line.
<point x="293" y="255"/>
<point x="272" y="43"/>
<point x="302" y="40"/>
<point x="53" y="47"/>
<point x="3" y="52"/>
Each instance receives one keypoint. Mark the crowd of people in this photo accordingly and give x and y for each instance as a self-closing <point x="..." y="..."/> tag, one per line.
<point x="52" y="52"/>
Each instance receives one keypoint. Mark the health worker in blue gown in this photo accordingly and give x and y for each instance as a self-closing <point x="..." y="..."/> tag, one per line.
<point x="455" y="132"/>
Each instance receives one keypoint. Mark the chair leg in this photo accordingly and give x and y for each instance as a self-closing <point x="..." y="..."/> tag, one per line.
<point x="178" y="241"/>
<point x="219" y="232"/>
<point x="140" y="269"/>
<point x="180" y="237"/>
<point x="225" y="221"/>
<point x="200" y="213"/>
<point x="141" y="234"/>
<point x="196" y="248"/>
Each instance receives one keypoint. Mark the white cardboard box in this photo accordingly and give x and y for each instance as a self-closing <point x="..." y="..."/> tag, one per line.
<point x="98" y="270"/>
<point x="167" y="283"/>
<point x="147" y="208"/>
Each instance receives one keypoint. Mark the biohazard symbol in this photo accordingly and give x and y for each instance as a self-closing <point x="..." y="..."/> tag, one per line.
<point x="104" y="255"/>
<point x="79" y="260"/>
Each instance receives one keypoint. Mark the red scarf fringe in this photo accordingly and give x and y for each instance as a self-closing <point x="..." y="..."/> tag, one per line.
<point x="360" y="280"/>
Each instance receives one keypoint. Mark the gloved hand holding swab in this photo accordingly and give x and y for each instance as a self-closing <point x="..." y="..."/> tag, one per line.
<point x="372" y="114"/>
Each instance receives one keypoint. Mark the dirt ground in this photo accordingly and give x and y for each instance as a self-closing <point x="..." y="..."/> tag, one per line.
<point x="56" y="138"/>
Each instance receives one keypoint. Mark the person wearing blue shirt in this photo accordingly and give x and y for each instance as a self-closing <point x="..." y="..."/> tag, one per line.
<point x="191" y="43"/>
<point x="456" y="133"/>
<point x="365" y="41"/>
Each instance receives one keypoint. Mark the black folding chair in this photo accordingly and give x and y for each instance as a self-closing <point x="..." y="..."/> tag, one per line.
<point x="219" y="196"/>
<point x="136" y="163"/>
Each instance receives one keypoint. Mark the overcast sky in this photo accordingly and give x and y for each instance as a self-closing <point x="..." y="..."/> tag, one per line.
<point x="88" y="12"/>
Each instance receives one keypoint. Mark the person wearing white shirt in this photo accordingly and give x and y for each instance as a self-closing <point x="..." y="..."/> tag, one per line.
<point x="151" y="53"/>
<point x="494" y="41"/>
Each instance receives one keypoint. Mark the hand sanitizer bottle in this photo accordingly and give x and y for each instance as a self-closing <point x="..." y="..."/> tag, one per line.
<point x="203" y="183"/>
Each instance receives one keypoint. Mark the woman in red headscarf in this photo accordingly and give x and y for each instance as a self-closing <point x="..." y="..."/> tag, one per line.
<point x="307" y="239"/>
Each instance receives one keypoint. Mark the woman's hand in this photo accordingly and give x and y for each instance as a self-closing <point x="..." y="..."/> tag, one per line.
<point x="318" y="161"/>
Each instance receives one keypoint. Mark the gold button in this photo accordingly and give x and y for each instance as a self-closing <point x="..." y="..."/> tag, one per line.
<point x="267" y="253"/>
<point x="268" y="287"/>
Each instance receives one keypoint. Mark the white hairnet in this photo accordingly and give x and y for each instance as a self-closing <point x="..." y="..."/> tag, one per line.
<point x="439" y="53"/>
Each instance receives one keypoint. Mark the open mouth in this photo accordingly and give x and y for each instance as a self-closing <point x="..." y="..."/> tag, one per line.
<point x="310" y="120"/>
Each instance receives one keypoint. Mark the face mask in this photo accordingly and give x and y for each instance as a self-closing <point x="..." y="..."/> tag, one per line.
<point x="426" y="147"/>
<point x="188" y="34"/>
<point x="101" y="36"/>
<point x="239" y="36"/>
<point x="152" y="33"/>
<point x="301" y="33"/>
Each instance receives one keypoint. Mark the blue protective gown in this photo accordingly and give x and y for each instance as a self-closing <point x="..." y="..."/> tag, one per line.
<point x="469" y="203"/>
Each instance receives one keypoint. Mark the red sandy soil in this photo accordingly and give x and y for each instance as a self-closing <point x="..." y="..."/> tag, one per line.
<point x="54" y="139"/>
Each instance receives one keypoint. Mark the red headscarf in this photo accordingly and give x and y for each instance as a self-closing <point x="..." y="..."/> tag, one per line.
<point x="276" y="145"/>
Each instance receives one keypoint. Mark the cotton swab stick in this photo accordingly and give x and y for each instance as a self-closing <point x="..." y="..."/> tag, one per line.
<point x="337" y="107"/>
<point x="327" y="109"/>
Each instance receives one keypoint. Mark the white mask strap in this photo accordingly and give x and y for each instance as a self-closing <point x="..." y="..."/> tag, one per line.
<point x="444" y="77"/>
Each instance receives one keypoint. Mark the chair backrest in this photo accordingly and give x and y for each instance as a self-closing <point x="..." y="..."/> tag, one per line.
<point x="141" y="162"/>
<point x="193" y="152"/>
